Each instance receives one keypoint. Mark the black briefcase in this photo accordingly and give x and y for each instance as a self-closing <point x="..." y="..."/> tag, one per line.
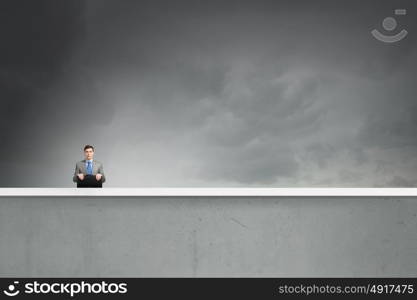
<point x="89" y="181"/>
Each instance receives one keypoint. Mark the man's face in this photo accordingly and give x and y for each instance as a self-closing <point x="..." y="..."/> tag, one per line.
<point x="88" y="153"/>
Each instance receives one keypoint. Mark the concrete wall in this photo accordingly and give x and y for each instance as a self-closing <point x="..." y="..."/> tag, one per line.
<point x="208" y="236"/>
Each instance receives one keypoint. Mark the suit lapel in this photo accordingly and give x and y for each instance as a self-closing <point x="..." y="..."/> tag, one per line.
<point x="95" y="167"/>
<point x="83" y="168"/>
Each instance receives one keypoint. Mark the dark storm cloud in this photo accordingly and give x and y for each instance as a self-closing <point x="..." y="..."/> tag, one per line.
<point x="39" y="94"/>
<point x="36" y="41"/>
<point x="210" y="93"/>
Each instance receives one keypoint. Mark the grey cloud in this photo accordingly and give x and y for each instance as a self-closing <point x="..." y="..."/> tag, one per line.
<point x="250" y="136"/>
<point x="398" y="181"/>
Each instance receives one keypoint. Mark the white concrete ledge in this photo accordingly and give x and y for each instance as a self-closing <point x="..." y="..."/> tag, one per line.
<point x="214" y="192"/>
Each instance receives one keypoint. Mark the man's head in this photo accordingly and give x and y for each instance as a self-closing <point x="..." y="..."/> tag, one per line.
<point x="88" y="152"/>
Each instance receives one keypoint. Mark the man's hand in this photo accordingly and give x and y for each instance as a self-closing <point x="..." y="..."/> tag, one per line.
<point x="81" y="176"/>
<point x="98" y="177"/>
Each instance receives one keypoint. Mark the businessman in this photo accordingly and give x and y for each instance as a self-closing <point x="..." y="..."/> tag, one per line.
<point x="89" y="166"/>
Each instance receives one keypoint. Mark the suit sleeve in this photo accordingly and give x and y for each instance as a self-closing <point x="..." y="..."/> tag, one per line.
<point x="101" y="171"/>
<point x="74" y="178"/>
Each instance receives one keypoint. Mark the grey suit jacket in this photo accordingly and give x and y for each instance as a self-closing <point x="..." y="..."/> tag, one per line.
<point x="81" y="168"/>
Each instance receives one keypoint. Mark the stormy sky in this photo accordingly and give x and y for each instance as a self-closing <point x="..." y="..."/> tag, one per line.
<point x="208" y="93"/>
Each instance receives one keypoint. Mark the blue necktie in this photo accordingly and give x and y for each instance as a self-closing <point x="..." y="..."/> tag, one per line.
<point x="89" y="168"/>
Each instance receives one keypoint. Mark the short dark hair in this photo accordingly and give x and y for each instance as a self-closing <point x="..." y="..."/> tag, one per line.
<point x="88" y="147"/>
